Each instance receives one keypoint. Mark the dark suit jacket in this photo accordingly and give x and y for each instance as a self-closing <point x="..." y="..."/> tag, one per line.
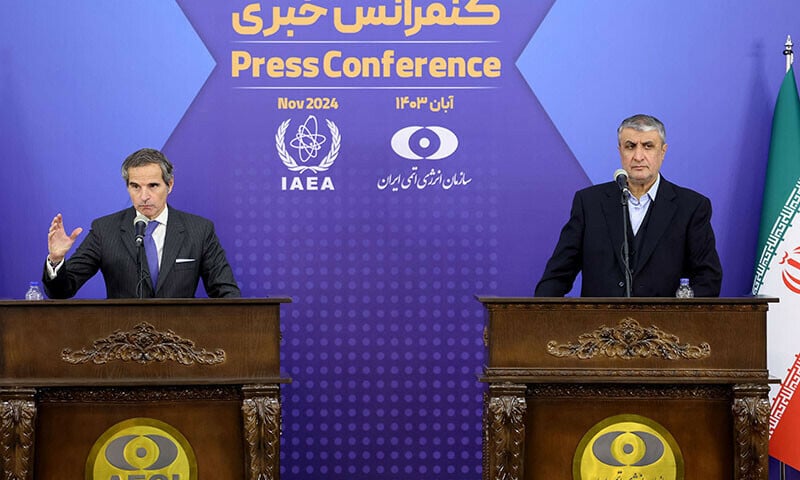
<point x="191" y="251"/>
<point x="678" y="243"/>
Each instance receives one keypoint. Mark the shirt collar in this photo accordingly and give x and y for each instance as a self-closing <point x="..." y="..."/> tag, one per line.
<point x="162" y="217"/>
<point x="649" y="195"/>
<point x="652" y="192"/>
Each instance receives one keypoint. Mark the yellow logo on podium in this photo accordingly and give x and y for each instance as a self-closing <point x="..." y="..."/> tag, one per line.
<point x="141" y="449"/>
<point x="627" y="447"/>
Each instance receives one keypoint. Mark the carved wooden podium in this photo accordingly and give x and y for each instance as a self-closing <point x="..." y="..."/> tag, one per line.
<point x="558" y="368"/>
<point x="71" y="369"/>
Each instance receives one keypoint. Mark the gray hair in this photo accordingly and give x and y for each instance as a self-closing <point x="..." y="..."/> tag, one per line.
<point x="147" y="156"/>
<point x="643" y="123"/>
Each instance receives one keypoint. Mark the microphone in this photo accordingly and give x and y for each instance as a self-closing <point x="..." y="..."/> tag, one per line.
<point x="621" y="177"/>
<point x="140" y="224"/>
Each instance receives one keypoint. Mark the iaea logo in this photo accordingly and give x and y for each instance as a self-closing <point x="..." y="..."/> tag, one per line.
<point x="424" y="143"/>
<point x="791" y="270"/>
<point x="308" y="143"/>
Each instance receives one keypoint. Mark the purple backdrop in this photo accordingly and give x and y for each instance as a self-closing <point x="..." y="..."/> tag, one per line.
<point x="384" y="250"/>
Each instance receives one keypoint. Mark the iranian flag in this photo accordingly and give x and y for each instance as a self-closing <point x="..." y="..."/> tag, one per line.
<point x="778" y="271"/>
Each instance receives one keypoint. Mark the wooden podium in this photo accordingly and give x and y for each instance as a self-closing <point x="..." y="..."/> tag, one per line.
<point x="561" y="368"/>
<point x="210" y="369"/>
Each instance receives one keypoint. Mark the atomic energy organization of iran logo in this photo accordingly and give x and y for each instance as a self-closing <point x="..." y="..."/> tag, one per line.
<point x="142" y="448"/>
<point x="628" y="446"/>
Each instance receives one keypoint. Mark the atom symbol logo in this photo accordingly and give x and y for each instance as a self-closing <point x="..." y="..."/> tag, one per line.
<point x="308" y="142"/>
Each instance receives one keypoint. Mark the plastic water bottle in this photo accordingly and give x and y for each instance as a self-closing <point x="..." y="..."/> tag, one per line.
<point x="34" y="292"/>
<point x="684" y="290"/>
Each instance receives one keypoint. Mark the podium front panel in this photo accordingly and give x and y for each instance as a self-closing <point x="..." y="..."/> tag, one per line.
<point x="155" y="382"/>
<point x="561" y="369"/>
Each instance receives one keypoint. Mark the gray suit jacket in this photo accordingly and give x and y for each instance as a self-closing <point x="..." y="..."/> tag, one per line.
<point x="191" y="251"/>
<point x="678" y="243"/>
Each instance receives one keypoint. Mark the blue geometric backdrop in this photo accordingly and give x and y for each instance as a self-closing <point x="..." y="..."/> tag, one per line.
<point x="384" y="337"/>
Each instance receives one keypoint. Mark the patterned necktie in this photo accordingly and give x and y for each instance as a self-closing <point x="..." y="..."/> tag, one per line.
<point x="151" y="251"/>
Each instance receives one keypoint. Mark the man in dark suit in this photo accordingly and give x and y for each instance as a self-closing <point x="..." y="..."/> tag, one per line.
<point x="185" y="247"/>
<point x="669" y="233"/>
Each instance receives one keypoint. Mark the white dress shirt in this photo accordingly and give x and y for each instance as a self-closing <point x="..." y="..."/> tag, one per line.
<point x="159" y="234"/>
<point x="637" y="207"/>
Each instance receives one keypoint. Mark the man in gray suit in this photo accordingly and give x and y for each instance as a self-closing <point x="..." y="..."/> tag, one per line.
<point x="669" y="229"/>
<point x="185" y="245"/>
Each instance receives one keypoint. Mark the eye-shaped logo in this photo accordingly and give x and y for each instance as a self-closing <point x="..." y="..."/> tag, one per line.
<point x="628" y="449"/>
<point x="142" y="448"/>
<point x="424" y="143"/>
<point x="629" y="445"/>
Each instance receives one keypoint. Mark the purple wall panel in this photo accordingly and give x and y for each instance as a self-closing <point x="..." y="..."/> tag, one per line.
<point x="384" y="254"/>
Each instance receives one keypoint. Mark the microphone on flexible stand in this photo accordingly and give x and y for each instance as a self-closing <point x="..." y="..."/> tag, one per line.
<point x="139" y="226"/>
<point x="621" y="178"/>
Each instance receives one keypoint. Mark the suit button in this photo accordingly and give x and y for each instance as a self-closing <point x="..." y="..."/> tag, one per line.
<point x="621" y="284"/>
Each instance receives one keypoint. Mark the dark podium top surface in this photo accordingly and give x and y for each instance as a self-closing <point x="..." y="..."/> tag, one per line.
<point x="714" y="340"/>
<point x="632" y="300"/>
<point x="140" y="342"/>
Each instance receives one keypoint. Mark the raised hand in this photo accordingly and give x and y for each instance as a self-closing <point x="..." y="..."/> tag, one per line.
<point x="58" y="242"/>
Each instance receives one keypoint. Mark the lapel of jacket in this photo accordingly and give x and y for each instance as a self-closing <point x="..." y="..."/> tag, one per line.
<point x="664" y="209"/>
<point x="612" y="210"/>
<point x="127" y="235"/>
<point x="172" y="242"/>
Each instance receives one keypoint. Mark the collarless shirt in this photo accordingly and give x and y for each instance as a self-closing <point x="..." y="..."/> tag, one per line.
<point x="637" y="207"/>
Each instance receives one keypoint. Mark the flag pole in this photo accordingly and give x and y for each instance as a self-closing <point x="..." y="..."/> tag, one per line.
<point x="789" y="54"/>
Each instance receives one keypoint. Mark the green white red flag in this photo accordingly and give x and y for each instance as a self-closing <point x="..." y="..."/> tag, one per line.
<point x="778" y="271"/>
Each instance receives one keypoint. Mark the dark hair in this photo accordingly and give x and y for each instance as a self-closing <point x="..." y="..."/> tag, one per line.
<point x="147" y="156"/>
